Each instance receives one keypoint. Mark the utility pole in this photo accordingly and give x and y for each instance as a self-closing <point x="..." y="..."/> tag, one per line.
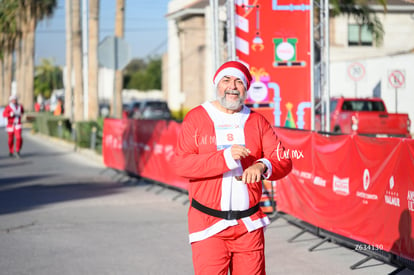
<point x="231" y="30"/>
<point x="85" y="57"/>
<point x="321" y="66"/>
<point x="214" y="5"/>
<point x="118" y="85"/>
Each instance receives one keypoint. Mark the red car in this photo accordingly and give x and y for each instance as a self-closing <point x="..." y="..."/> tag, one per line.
<point x="367" y="116"/>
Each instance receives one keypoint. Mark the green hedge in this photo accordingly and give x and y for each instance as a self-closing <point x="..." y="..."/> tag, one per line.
<point x="61" y="127"/>
<point x="84" y="132"/>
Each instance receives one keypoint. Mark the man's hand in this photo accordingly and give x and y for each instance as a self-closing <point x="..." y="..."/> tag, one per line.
<point x="239" y="152"/>
<point x="253" y="173"/>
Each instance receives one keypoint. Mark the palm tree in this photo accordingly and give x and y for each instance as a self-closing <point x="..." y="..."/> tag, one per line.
<point x="119" y="32"/>
<point x="77" y="60"/>
<point x="68" y="72"/>
<point x="30" y="13"/>
<point x="93" y="66"/>
<point x="2" y="91"/>
<point x="362" y="13"/>
<point x="8" y="38"/>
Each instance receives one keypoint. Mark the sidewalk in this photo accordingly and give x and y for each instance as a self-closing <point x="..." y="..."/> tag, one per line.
<point x="89" y="153"/>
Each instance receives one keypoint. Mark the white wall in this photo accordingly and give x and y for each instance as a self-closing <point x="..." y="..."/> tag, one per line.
<point x="377" y="70"/>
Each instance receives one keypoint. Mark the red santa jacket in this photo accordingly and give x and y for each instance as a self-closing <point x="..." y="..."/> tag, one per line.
<point x="203" y="155"/>
<point x="14" y="114"/>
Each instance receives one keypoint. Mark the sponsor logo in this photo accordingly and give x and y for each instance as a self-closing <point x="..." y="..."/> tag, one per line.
<point x="302" y="176"/>
<point x="410" y="200"/>
<point x="295" y="172"/>
<point x="366" y="179"/>
<point x="391" y="197"/>
<point x="366" y="182"/>
<point x="340" y="186"/>
<point x="306" y="175"/>
<point x="283" y="153"/>
<point x="319" y="181"/>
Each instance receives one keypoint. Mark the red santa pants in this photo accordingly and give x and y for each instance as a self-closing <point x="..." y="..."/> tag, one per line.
<point x="15" y="132"/>
<point x="232" y="249"/>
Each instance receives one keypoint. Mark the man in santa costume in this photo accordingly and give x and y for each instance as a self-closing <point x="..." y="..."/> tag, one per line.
<point x="14" y="112"/>
<point x="225" y="150"/>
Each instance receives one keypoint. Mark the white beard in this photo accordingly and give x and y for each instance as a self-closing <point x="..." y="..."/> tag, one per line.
<point x="233" y="105"/>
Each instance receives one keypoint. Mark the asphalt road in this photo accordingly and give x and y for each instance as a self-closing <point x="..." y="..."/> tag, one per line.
<point x="62" y="212"/>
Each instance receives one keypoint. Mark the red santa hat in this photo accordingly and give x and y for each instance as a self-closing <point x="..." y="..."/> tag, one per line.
<point x="236" y="69"/>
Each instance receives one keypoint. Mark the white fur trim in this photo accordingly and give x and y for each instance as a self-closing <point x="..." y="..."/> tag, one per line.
<point x="268" y="165"/>
<point x="230" y="71"/>
<point x="230" y="162"/>
<point x="212" y="230"/>
<point x="256" y="224"/>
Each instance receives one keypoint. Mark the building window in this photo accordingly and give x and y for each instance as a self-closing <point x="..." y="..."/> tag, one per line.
<point x="359" y="35"/>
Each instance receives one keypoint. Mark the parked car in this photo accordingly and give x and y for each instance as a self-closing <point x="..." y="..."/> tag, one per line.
<point x="104" y="109"/>
<point x="366" y="116"/>
<point x="148" y="109"/>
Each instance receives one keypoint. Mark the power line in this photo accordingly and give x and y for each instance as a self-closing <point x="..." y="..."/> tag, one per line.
<point x="105" y="30"/>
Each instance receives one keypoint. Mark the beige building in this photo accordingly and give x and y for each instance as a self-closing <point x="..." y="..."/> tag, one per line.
<point x="188" y="71"/>
<point x="358" y="65"/>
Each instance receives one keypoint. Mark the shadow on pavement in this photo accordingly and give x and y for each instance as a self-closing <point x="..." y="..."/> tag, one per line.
<point x="30" y="197"/>
<point x="43" y="154"/>
<point x="15" y="163"/>
<point x="6" y="181"/>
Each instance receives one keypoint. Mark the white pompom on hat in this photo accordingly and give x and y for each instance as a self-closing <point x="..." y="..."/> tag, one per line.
<point x="13" y="97"/>
<point x="235" y="69"/>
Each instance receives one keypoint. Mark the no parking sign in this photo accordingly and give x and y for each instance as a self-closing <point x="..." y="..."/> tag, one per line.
<point x="396" y="79"/>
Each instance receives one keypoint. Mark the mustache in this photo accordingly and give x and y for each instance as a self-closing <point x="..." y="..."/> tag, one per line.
<point x="232" y="92"/>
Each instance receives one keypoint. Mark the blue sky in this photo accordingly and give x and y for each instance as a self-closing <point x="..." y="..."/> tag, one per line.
<point x="145" y="29"/>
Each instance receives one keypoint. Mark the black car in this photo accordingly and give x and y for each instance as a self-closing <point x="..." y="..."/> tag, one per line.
<point x="149" y="109"/>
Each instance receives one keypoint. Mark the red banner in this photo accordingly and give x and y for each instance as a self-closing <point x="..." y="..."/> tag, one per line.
<point x="273" y="39"/>
<point x="358" y="187"/>
<point x="142" y="147"/>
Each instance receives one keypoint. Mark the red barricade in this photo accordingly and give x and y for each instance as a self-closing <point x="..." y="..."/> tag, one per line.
<point x="358" y="187"/>
<point x="142" y="147"/>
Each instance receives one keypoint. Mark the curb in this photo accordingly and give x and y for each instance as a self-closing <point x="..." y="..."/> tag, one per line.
<point x="89" y="153"/>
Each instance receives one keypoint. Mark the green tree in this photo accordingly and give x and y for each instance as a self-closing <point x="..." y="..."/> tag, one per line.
<point x="153" y="72"/>
<point x="48" y="77"/>
<point x="134" y="65"/>
<point x="144" y="75"/>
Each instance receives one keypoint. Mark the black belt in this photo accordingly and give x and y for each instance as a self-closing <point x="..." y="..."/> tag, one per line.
<point x="227" y="215"/>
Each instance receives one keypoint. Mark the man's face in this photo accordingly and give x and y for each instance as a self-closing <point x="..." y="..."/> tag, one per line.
<point x="231" y="93"/>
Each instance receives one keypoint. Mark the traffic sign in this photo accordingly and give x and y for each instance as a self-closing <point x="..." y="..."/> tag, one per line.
<point x="396" y="79"/>
<point x="356" y="71"/>
<point x="114" y="53"/>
